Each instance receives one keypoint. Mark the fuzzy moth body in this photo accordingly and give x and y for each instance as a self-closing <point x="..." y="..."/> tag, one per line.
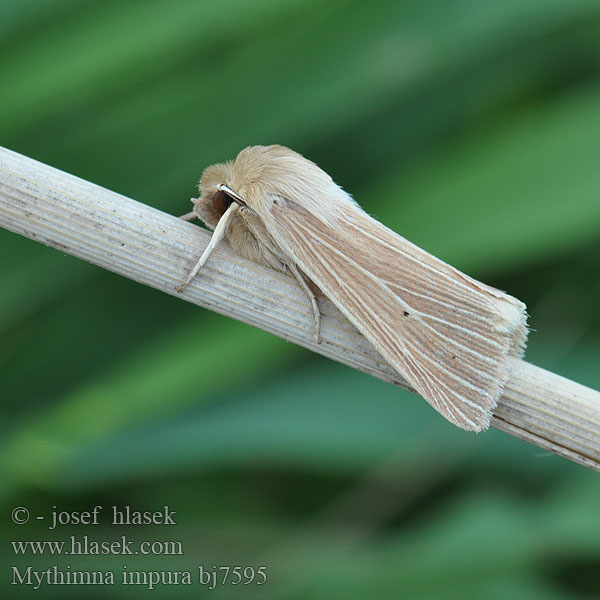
<point x="447" y="334"/>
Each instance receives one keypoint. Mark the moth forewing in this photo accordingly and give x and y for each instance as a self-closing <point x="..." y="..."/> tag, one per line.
<point x="446" y="333"/>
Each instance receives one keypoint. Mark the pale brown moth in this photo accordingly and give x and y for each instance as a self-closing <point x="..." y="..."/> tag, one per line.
<point x="447" y="334"/>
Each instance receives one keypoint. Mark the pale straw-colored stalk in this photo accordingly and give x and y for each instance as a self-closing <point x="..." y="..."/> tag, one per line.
<point x="158" y="250"/>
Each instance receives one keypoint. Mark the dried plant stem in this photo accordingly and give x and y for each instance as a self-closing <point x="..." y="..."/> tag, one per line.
<point x="157" y="249"/>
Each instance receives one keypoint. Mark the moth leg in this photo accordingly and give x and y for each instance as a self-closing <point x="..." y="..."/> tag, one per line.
<point x="217" y="235"/>
<point x="189" y="216"/>
<point x="313" y="299"/>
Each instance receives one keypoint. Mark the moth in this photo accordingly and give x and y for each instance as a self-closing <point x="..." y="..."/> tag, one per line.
<point x="447" y="334"/>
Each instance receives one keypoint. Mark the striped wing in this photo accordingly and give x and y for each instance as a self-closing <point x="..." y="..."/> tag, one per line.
<point x="447" y="334"/>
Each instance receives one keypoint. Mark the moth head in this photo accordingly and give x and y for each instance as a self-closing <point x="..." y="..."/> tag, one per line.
<point x="216" y="194"/>
<point x="261" y="176"/>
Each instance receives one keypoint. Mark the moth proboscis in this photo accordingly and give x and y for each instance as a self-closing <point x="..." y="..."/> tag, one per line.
<point x="449" y="335"/>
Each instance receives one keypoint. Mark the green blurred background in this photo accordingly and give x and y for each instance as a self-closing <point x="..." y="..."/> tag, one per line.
<point x="471" y="127"/>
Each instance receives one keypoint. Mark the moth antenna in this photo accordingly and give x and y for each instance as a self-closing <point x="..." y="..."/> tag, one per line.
<point x="313" y="300"/>
<point x="232" y="194"/>
<point x="217" y="235"/>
